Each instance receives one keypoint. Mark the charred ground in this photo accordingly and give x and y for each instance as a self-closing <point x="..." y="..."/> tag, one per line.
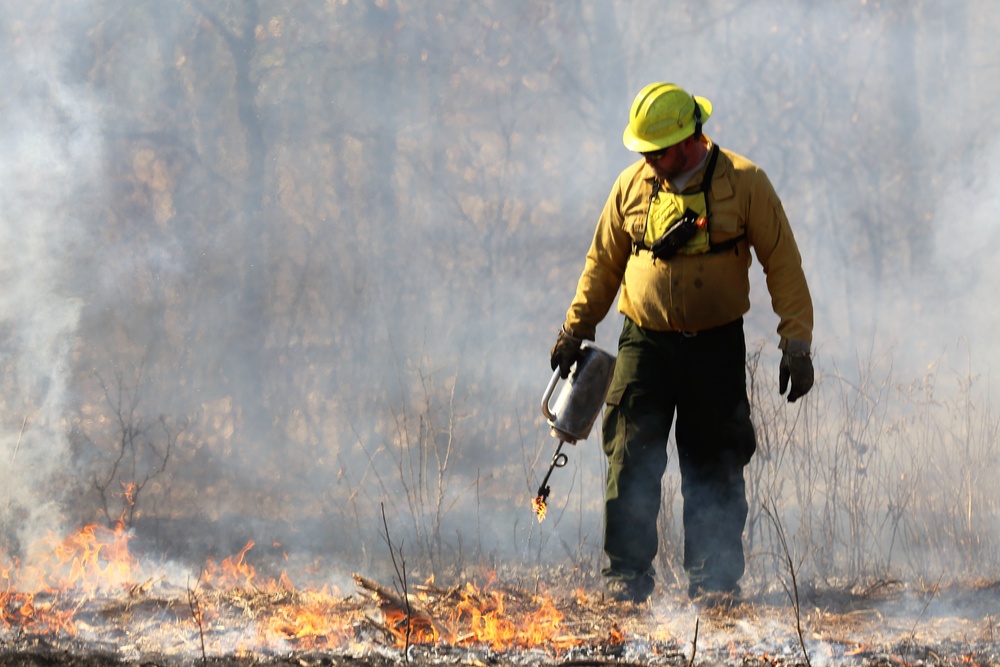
<point x="881" y="623"/>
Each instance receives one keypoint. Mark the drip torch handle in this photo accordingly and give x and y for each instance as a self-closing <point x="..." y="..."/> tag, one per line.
<point x="545" y="399"/>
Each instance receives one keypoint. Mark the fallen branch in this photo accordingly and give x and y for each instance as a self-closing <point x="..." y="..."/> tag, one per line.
<point x="392" y="599"/>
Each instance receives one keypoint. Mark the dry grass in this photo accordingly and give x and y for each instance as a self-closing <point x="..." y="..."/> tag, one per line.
<point x="496" y="622"/>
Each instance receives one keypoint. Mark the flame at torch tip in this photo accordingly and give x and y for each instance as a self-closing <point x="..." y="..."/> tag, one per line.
<point x="538" y="505"/>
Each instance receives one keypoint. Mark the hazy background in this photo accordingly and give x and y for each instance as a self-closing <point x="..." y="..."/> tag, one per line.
<point x="284" y="264"/>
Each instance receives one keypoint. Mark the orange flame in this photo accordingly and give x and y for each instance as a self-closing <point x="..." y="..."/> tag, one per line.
<point x="538" y="506"/>
<point x="128" y="491"/>
<point x="97" y="558"/>
<point x="22" y="610"/>
<point x="858" y="650"/>
<point x="92" y="559"/>
<point x="421" y="628"/>
<point x="315" y="623"/>
<point x="233" y="572"/>
<point x="488" y="622"/>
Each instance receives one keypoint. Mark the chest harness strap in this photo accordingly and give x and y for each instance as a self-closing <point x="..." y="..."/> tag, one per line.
<point x="706" y="186"/>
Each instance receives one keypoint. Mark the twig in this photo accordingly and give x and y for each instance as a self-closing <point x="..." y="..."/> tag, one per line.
<point x="694" y="643"/>
<point x="199" y="620"/>
<point x="18" y="443"/>
<point x="400" y="568"/>
<point x="16" y="446"/>
<point x="793" y="595"/>
<point x="911" y="640"/>
<point x="134" y="438"/>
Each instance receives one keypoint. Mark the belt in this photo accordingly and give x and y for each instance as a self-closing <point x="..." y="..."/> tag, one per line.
<point x="708" y="332"/>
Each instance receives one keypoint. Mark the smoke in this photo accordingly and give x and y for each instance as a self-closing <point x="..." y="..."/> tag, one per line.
<point x="51" y="143"/>
<point x="348" y="295"/>
<point x="958" y="286"/>
<point x="870" y="122"/>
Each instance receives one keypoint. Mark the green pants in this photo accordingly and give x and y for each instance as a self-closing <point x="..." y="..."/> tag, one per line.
<point x="703" y="379"/>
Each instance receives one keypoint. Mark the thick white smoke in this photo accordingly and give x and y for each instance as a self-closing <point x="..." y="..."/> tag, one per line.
<point x="48" y="175"/>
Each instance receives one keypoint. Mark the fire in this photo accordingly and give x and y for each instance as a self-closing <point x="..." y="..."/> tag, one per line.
<point x="858" y="649"/>
<point x="233" y="572"/>
<point x="128" y="491"/>
<point x="232" y="608"/>
<point x="470" y="616"/>
<point x="95" y="558"/>
<point x="21" y="610"/>
<point x="44" y="598"/>
<point x="315" y="622"/>
<point x="539" y="507"/>
<point x="487" y="621"/>
<point x="421" y="627"/>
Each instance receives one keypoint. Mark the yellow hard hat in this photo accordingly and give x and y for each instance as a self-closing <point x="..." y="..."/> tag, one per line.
<point x="662" y="115"/>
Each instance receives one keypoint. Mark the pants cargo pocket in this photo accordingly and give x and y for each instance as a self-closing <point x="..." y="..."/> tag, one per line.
<point x="615" y="426"/>
<point x="742" y="433"/>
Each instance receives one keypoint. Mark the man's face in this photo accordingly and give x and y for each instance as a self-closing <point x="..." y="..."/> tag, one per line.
<point x="668" y="163"/>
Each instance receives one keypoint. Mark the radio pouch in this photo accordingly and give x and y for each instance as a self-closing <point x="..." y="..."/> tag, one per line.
<point x="678" y="235"/>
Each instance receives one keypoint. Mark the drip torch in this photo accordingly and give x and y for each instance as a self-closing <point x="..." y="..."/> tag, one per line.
<point x="575" y="410"/>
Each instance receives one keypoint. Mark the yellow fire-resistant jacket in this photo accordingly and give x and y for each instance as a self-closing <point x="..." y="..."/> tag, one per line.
<point x="691" y="293"/>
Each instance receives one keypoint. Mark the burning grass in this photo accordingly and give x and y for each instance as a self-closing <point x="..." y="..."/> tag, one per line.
<point x="92" y="603"/>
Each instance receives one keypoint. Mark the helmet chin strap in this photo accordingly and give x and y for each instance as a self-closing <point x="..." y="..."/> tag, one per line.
<point x="697" y="118"/>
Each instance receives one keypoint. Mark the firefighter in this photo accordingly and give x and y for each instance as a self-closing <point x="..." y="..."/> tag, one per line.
<point x="675" y="236"/>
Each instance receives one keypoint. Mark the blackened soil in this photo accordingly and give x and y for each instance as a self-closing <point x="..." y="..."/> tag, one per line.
<point x="39" y="655"/>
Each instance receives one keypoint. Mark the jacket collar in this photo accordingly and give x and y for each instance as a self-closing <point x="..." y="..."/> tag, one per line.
<point x="721" y="167"/>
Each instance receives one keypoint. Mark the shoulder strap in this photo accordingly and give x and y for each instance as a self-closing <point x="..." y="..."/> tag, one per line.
<point x="706" y="185"/>
<point x="706" y="180"/>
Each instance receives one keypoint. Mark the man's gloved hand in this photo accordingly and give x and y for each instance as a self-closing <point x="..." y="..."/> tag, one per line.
<point x="796" y="364"/>
<point x="565" y="352"/>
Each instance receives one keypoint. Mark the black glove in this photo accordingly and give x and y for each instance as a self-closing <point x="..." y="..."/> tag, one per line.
<point x="565" y="352"/>
<point x="796" y="365"/>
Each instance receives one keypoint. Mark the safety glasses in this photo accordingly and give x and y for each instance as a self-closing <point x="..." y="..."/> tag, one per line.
<point x="655" y="155"/>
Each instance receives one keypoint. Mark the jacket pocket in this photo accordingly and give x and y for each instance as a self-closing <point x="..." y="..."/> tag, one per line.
<point x="724" y="227"/>
<point x="635" y="225"/>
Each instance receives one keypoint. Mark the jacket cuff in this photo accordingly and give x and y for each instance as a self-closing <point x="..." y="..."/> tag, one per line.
<point x="583" y="333"/>
<point x="796" y="348"/>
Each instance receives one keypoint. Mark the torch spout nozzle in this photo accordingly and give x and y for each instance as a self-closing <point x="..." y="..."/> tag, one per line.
<point x="558" y="461"/>
<point x="538" y="503"/>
